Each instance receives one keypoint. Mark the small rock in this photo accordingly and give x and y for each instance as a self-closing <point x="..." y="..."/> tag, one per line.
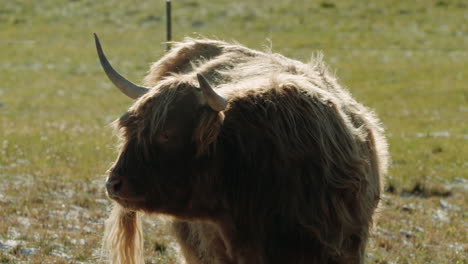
<point x="458" y="247"/>
<point x="88" y="229"/>
<point x="369" y="256"/>
<point x="13" y="233"/>
<point x="408" y="208"/>
<point x="407" y="234"/>
<point x="458" y="184"/>
<point x="444" y="204"/>
<point x="59" y="253"/>
<point x="24" y="221"/>
<point x="419" y="229"/>
<point x="460" y="180"/>
<point x="440" y="216"/>
<point x="28" y="251"/>
<point x="81" y="241"/>
<point x="3" y="247"/>
<point x="385" y="233"/>
<point x="9" y="244"/>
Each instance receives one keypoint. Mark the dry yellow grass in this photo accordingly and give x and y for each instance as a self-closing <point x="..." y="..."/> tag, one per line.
<point x="405" y="59"/>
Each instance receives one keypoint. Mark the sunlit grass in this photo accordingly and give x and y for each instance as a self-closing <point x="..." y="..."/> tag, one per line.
<point x="404" y="59"/>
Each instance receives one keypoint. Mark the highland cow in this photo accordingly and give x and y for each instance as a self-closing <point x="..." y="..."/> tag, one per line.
<point x="256" y="157"/>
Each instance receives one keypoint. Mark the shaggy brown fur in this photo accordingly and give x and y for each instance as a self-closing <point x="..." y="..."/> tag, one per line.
<point x="289" y="172"/>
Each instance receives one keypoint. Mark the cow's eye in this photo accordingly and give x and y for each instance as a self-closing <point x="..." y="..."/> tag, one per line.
<point x="163" y="137"/>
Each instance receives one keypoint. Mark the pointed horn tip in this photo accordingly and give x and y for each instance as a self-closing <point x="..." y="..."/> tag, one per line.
<point x="97" y="42"/>
<point x="202" y="80"/>
<point x="127" y="87"/>
<point x="96" y="38"/>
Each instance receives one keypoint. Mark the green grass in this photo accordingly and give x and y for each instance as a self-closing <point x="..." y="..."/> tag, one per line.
<point x="405" y="59"/>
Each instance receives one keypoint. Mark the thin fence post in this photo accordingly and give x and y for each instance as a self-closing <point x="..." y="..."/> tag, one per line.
<point x="168" y="24"/>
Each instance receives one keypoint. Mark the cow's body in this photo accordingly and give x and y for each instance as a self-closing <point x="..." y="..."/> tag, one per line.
<point x="288" y="172"/>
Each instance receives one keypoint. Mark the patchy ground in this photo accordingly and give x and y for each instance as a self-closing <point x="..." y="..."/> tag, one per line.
<point x="405" y="59"/>
<point x="51" y="222"/>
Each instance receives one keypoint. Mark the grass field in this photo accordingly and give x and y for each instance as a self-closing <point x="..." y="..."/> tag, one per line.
<point x="408" y="60"/>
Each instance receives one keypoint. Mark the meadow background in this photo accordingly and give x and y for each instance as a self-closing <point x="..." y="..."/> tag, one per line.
<point x="407" y="60"/>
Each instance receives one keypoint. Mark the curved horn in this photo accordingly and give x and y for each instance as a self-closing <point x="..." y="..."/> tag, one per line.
<point x="127" y="87"/>
<point x="214" y="100"/>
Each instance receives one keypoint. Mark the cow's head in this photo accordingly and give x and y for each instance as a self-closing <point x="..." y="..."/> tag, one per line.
<point x="163" y="135"/>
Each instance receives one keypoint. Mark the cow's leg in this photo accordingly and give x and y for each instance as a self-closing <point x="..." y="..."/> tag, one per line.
<point x="187" y="244"/>
<point x="201" y="243"/>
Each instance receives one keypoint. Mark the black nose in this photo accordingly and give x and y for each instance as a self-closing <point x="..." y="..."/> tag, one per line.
<point x="113" y="185"/>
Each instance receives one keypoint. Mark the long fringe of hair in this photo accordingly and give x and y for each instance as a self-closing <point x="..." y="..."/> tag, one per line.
<point x="310" y="109"/>
<point x="123" y="237"/>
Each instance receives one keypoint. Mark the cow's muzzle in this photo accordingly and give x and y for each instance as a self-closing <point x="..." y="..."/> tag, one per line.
<point x="114" y="186"/>
<point x="119" y="189"/>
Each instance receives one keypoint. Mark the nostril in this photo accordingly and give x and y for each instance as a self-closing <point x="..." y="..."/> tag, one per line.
<point x="113" y="186"/>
